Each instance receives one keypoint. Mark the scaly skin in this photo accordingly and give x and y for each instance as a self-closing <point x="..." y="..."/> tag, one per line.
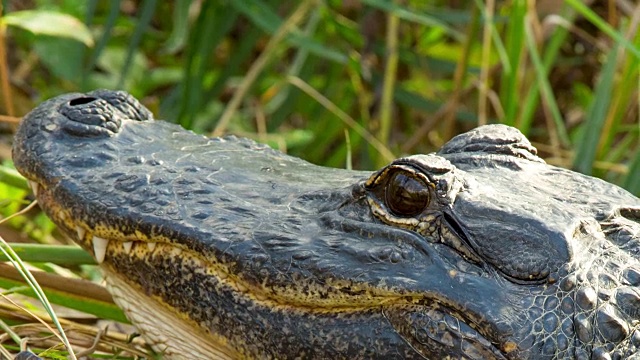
<point x="224" y="248"/>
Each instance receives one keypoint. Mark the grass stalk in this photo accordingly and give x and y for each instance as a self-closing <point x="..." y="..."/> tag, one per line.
<point x="484" y="68"/>
<point x="390" y="71"/>
<point x="15" y="260"/>
<point x="596" y="20"/>
<point x="4" y="72"/>
<point x="545" y="88"/>
<point x="348" y="120"/>
<point x="260" y="64"/>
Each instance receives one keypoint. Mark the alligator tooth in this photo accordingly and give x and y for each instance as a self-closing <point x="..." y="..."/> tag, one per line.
<point x="34" y="187"/>
<point x="176" y="251"/>
<point x="259" y="296"/>
<point x="127" y="246"/>
<point x="151" y="246"/>
<point x="241" y="287"/>
<point x="100" y="248"/>
<point x="80" y="231"/>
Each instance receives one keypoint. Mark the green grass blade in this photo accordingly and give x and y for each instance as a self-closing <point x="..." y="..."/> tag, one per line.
<point x="265" y="18"/>
<point x="90" y="13"/>
<point x="631" y="182"/>
<point x="39" y="293"/>
<point x="389" y="82"/>
<point x="545" y="87"/>
<point x="241" y="55"/>
<point x="280" y="113"/>
<point x="596" y="20"/>
<point x="107" y="29"/>
<point x="9" y="331"/>
<point x="148" y="8"/>
<point x="57" y="254"/>
<point x="344" y="117"/>
<point x="180" y="32"/>
<point x="13" y="178"/>
<point x="297" y="64"/>
<point x="260" y="14"/>
<point x="596" y="116"/>
<point x="551" y="53"/>
<point x="212" y="25"/>
<point x="624" y="96"/>
<point x="413" y="15"/>
<point x="495" y="37"/>
<point x="267" y="55"/>
<point x="513" y="47"/>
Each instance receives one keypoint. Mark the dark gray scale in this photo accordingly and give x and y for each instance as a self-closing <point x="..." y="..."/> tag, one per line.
<point x="628" y="300"/>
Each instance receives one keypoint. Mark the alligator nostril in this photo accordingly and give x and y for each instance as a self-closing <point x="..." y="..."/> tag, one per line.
<point x="82" y="100"/>
<point x="90" y="116"/>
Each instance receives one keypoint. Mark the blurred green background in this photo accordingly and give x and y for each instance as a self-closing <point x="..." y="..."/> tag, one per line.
<point x="352" y="83"/>
<point x="347" y="81"/>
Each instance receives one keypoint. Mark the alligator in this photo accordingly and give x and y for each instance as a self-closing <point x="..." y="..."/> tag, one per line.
<point x="222" y="248"/>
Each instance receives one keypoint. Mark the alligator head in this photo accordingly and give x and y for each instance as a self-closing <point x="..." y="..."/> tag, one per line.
<point x="224" y="248"/>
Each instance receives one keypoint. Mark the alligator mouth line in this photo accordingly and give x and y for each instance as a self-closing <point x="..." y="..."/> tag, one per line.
<point x="281" y="297"/>
<point x="109" y="242"/>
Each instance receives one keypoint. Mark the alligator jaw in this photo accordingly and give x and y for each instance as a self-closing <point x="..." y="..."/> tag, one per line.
<point x="152" y="317"/>
<point x="153" y="300"/>
<point x="150" y="314"/>
<point x="97" y="241"/>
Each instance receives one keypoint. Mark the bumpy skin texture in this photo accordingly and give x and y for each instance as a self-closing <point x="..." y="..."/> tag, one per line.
<point x="501" y="256"/>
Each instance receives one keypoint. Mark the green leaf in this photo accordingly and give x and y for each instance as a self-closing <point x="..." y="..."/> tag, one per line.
<point x="42" y="22"/>
<point x="62" y="56"/>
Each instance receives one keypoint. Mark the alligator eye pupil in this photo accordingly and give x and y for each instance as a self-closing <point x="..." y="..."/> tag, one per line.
<point x="405" y="195"/>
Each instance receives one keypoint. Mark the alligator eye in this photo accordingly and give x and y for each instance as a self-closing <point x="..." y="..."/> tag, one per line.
<point x="405" y="195"/>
